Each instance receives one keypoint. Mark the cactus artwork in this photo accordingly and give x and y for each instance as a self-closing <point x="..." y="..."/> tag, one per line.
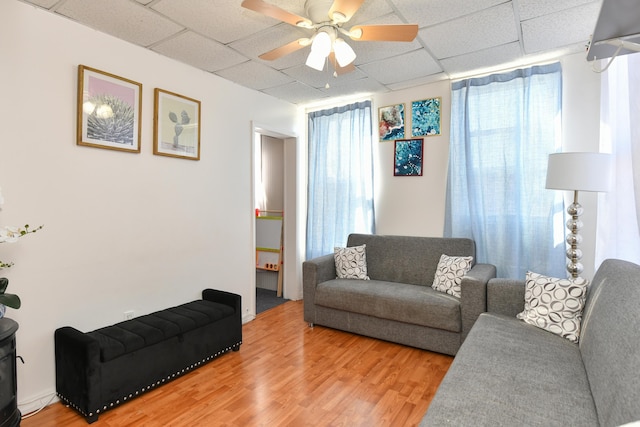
<point x="179" y="125"/>
<point x="112" y="120"/>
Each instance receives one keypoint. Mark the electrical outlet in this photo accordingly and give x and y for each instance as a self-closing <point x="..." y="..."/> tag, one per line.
<point x="128" y="315"/>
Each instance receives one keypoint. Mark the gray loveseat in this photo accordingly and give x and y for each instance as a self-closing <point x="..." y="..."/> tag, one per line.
<point x="398" y="303"/>
<point x="510" y="373"/>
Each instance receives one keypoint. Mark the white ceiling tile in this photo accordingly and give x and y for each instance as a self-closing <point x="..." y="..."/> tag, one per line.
<point x="296" y="93"/>
<point x="318" y="79"/>
<point x="407" y="66"/>
<point x="338" y="87"/>
<point x="127" y="20"/>
<point x="269" y="39"/>
<point x="370" y="10"/>
<point x="560" y="29"/>
<point x="221" y="20"/>
<point x="426" y="13"/>
<point x="483" y="59"/>
<point x="529" y="9"/>
<point x="254" y="75"/>
<point x="482" y="30"/>
<point x="199" y="51"/>
<point x="47" y="4"/>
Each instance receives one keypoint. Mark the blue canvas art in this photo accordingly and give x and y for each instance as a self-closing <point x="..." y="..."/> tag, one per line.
<point x="408" y="157"/>
<point x="425" y="117"/>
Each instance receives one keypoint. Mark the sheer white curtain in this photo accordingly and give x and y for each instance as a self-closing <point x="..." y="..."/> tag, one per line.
<point x="503" y="127"/>
<point x="617" y="233"/>
<point x="340" y="187"/>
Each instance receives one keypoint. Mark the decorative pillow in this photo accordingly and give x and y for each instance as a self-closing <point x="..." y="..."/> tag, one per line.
<point x="449" y="274"/>
<point x="554" y="305"/>
<point x="351" y="263"/>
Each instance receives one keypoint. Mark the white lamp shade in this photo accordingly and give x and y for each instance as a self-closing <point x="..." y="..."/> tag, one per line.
<point x="321" y="44"/>
<point x="344" y="53"/>
<point x="579" y="171"/>
<point x="315" y="61"/>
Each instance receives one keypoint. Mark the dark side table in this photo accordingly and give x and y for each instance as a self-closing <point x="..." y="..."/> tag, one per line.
<point x="9" y="413"/>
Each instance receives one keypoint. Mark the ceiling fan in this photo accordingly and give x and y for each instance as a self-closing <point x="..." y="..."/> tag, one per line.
<point x="326" y="18"/>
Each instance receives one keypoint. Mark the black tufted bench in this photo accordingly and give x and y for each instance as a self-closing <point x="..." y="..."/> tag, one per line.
<point x="98" y="370"/>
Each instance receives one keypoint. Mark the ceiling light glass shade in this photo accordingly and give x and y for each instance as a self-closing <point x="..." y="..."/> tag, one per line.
<point x="315" y="60"/>
<point x="344" y="54"/>
<point x="321" y="44"/>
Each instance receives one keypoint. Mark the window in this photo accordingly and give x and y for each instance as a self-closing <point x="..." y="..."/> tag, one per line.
<point x="503" y="127"/>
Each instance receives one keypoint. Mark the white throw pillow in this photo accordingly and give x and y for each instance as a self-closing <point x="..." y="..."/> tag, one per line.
<point x="449" y="274"/>
<point x="554" y="305"/>
<point x="351" y="263"/>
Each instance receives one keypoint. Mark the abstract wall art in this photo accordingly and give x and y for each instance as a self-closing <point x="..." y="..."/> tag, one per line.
<point x="407" y="160"/>
<point x="425" y="117"/>
<point x="391" y="122"/>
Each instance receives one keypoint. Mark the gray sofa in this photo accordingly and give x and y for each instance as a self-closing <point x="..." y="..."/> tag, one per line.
<point x="510" y="373"/>
<point x="398" y="303"/>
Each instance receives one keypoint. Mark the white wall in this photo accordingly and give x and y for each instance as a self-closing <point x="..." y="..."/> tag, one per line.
<point x="415" y="205"/>
<point x="123" y="231"/>
<point x="407" y="205"/>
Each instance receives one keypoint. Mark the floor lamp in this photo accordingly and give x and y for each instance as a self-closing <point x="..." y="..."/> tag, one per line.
<point x="577" y="172"/>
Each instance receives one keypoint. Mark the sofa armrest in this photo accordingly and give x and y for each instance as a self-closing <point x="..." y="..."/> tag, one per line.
<point x="78" y="370"/>
<point x="505" y="296"/>
<point x="473" y="297"/>
<point x="222" y="297"/>
<point x="315" y="271"/>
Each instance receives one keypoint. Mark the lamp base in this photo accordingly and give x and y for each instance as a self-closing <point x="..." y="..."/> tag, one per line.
<point x="574" y="255"/>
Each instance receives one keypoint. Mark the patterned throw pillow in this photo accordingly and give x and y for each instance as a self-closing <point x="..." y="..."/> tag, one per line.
<point x="449" y="274"/>
<point x="554" y="305"/>
<point x="351" y="263"/>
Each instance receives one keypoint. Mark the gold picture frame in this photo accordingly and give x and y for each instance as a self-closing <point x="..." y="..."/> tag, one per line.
<point x="109" y="111"/>
<point x="176" y="125"/>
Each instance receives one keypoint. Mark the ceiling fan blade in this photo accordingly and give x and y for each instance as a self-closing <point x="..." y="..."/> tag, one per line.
<point x="276" y="12"/>
<point x="390" y="33"/>
<point x="340" y="70"/>
<point x="288" y="48"/>
<point x="346" y="8"/>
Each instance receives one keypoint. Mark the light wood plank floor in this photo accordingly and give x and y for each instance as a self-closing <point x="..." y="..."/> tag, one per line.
<point x="285" y="374"/>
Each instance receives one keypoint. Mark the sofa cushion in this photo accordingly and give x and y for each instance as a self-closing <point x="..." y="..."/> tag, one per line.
<point x="610" y="341"/>
<point x="419" y="305"/>
<point x="554" y="305"/>
<point x="509" y="373"/>
<point x="143" y="331"/>
<point x="450" y="272"/>
<point x="351" y="263"/>
<point x="408" y="259"/>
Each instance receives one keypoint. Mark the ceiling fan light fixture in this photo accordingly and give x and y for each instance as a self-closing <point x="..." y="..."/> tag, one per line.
<point x="344" y="53"/>
<point x="304" y="24"/>
<point x="315" y="60"/>
<point x="321" y="44"/>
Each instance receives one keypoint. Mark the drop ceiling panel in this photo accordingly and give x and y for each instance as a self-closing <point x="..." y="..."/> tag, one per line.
<point x="426" y="13"/>
<point x="479" y="31"/>
<point x="407" y="66"/>
<point x="559" y="29"/>
<point x="246" y="74"/>
<point x="529" y="9"/>
<point x="125" y="19"/>
<point x="456" y="36"/>
<point x="221" y="20"/>
<point x="199" y="51"/>
<point x="483" y="59"/>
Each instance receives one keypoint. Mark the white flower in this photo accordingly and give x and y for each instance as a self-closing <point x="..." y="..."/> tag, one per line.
<point x="10" y="234"/>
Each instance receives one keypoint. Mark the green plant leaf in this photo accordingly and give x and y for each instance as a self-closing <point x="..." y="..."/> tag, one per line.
<point x="4" y="282"/>
<point x="10" y="300"/>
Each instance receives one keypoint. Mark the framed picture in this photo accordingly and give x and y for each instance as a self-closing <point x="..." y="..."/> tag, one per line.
<point x="109" y="110"/>
<point x="391" y="122"/>
<point x="176" y="130"/>
<point x="407" y="160"/>
<point x="425" y="117"/>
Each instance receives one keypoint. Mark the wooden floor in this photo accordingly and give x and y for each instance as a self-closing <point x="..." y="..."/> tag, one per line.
<point x="285" y="374"/>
